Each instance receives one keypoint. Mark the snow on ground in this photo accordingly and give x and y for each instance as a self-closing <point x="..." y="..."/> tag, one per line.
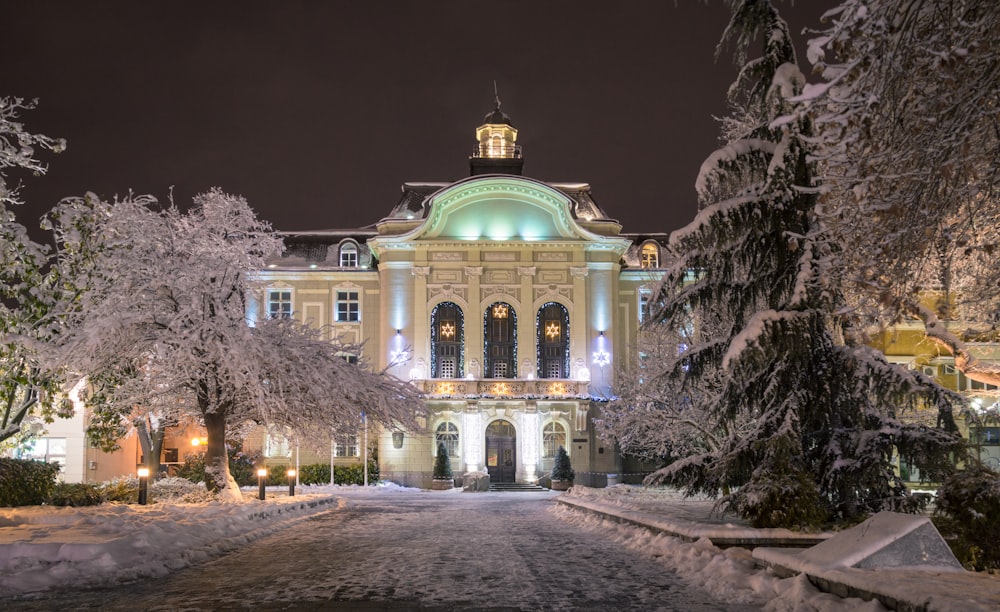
<point x="42" y="547"/>
<point x="729" y="575"/>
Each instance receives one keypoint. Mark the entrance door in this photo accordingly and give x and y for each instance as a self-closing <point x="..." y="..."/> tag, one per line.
<point x="501" y="451"/>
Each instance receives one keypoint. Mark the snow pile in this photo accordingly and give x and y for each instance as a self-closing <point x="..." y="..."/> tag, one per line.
<point x="42" y="547"/>
<point x="729" y="575"/>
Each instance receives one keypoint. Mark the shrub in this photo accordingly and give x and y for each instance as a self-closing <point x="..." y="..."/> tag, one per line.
<point x="242" y="466"/>
<point x="316" y="473"/>
<point x="124" y="489"/>
<point x="968" y="516"/>
<point x="442" y="464"/>
<point x="76" y="494"/>
<point x="561" y="469"/>
<point x="25" y="482"/>
<point x="179" y="490"/>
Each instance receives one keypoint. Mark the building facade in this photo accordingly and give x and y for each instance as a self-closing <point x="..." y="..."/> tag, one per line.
<point x="508" y="301"/>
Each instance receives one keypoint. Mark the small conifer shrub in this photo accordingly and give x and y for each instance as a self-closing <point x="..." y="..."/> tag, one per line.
<point x="561" y="469"/>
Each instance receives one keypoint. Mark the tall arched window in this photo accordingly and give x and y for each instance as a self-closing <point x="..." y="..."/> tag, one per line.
<point x="650" y="256"/>
<point x="447" y="341"/>
<point x="553" y="436"/>
<point x="501" y="341"/>
<point x="349" y="255"/>
<point x="447" y="434"/>
<point x="553" y="341"/>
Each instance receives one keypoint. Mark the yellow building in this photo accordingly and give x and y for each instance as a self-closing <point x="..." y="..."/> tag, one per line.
<point x="508" y="301"/>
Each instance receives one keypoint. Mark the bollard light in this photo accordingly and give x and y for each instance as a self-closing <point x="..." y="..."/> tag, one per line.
<point x="291" y="483"/>
<point x="261" y="477"/>
<point x="143" y="474"/>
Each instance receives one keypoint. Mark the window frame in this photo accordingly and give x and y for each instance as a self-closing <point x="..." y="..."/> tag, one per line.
<point x="280" y="313"/>
<point x="348" y="302"/>
<point x="349" y="251"/>
<point x="451" y="437"/>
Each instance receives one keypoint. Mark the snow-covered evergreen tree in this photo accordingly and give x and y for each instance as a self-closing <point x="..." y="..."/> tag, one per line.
<point x="163" y="319"/>
<point x="821" y="414"/>
<point x="442" y="464"/>
<point x="27" y="289"/>
<point x="908" y="151"/>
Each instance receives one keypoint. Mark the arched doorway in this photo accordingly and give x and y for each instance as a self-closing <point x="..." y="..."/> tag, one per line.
<point x="501" y="451"/>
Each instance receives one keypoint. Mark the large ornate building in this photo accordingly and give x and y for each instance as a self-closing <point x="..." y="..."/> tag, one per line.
<point x="507" y="300"/>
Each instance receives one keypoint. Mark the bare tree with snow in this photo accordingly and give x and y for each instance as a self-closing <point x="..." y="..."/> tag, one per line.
<point x="822" y="412"/>
<point x="27" y="288"/>
<point x="164" y="318"/>
<point x="909" y="145"/>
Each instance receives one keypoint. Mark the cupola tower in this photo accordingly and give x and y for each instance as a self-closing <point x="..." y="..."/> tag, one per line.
<point x="497" y="151"/>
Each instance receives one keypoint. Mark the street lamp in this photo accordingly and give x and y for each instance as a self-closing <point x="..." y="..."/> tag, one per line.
<point x="143" y="474"/>
<point x="261" y="477"/>
<point x="291" y="483"/>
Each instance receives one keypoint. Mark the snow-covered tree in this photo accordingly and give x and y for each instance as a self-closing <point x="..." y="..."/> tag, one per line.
<point x="909" y="146"/>
<point x="821" y="413"/>
<point x="163" y="318"/>
<point x="27" y="290"/>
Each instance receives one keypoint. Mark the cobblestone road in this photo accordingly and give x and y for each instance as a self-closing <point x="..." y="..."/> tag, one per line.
<point x="414" y="551"/>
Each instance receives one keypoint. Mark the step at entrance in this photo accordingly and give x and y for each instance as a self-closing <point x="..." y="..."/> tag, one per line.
<point x="514" y="486"/>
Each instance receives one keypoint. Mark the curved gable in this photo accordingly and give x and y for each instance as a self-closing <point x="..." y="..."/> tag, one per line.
<point x="500" y="208"/>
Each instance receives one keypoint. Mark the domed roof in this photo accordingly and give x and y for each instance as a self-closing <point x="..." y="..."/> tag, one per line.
<point x="498" y="117"/>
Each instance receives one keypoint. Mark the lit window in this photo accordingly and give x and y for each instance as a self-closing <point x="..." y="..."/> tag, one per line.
<point x="279" y="303"/>
<point x="553" y="341"/>
<point x="346" y="446"/>
<point x="447" y="323"/>
<point x="349" y="255"/>
<point x="49" y="450"/>
<point x="500" y="341"/>
<point x="650" y="256"/>
<point x="553" y="436"/>
<point x="348" y="306"/>
<point x="447" y="434"/>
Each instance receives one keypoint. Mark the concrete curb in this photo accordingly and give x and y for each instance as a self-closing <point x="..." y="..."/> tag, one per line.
<point x="723" y="536"/>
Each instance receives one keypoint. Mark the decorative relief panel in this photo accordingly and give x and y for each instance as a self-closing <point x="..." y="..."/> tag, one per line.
<point x="514" y="291"/>
<point x="551" y="256"/>
<point x="553" y="291"/>
<point x="420" y="270"/>
<point x="552" y="276"/>
<point x="473" y="270"/>
<point x="499" y="256"/>
<point x="526" y="271"/>
<point x="498" y="276"/>
<point x="579" y="272"/>
<point x="446" y="256"/>
<point x="447" y="292"/>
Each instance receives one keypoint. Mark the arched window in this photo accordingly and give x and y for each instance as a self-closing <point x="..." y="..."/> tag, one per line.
<point x="553" y="436"/>
<point x="447" y="336"/>
<point x="501" y="341"/>
<point x="553" y="341"/>
<point x="349" y="255"/>
<point x="650" y="255"/>
<point x="447" y="434"/>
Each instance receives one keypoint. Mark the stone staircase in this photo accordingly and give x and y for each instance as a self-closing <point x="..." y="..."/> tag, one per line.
<point x="515" y="487"/>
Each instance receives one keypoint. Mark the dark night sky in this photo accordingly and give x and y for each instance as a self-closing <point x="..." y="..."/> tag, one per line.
<point x="316" y="112"/>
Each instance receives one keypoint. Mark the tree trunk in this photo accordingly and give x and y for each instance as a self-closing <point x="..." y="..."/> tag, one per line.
<point x="151" y="443"/>
<point x="217" y="477"/>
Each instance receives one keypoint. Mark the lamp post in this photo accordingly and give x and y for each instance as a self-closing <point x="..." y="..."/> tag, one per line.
<point x="291" y="483"/>
<point x="261" y="477"/>
<point x="143" y="474"/>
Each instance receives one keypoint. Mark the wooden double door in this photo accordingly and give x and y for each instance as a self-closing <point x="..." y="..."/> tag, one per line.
<point x="501" y="451"/>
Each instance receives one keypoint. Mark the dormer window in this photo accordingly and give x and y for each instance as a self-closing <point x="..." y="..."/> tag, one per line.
<point x="349" y="255"/>
<point x="650" y="256"/>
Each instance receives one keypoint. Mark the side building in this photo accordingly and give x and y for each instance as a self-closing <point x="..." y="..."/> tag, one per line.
<point x="508" y="301"/>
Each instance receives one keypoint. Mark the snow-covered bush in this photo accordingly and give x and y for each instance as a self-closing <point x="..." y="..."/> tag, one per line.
<point x="968" y="516"/>
<point x="76" y="494"/>
<point x="178" y="490"/>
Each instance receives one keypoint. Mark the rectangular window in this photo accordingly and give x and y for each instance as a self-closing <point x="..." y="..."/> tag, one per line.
<point x="349" y="257"/>
<point x="645" y="297"/>
<point x="986" y="436"/>
<point x="347" y="446"/>
<point x="348" y="306"/>
<point x="279" y="303"/>
<point x="448" y="368"/>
